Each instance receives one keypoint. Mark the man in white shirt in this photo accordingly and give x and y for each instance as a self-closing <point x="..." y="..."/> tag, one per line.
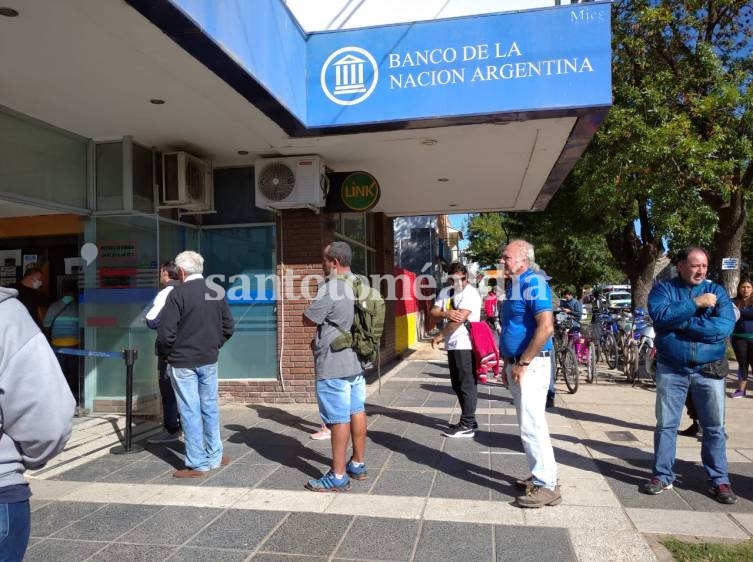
<point x="458" y="304"/>
<point x="168" y="278"/>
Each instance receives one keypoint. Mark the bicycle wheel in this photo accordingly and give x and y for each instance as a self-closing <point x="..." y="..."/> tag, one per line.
<point x="646" y="361"/>
<point x="629" y="368"/>
<point x="610" y="351"/>
<point x="570" y="369"/>
<point x="591" y="363"/>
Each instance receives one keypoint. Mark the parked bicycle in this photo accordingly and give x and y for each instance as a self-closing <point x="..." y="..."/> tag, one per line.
<point x="643" y="352"/>
<point x="566" y="362"/>
<point x="605" y="329"/>
<point x="584" y="346"/>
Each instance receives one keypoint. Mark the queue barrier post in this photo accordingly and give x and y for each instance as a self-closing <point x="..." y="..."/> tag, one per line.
<point x="127" y="447"/>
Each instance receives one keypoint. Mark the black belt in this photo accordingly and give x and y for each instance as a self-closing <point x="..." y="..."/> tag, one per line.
<point x="514" y="360"/>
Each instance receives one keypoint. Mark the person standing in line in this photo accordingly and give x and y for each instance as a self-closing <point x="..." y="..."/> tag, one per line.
<point x="193" y="327"/>
<point x="457" y="304"/>
<point x="168" y="278"/>
<point x="36" y="409"/>
<point x="526" y="345"/>
<point x="340" y="381"/>
<point x="693" y="318"/>
<point x="31" y="296"/>
<point x="65" y="333"/>
<point x="742" y="335"/>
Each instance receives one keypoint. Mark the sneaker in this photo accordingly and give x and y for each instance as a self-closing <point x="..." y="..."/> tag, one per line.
<point x="691" y="431"/>
<point x="654" y="487"/>
<point x="738" y="394"/>
<point x="524" y="485"/>
<point x="460" y="431"/>
<point x="538" y="496"/>
<point x="321" y="434"/>
<point x="164" y="437"/>
<point x="356" y="472"/>
<point x="328" y="483"/>
<point x="723" y="493"/>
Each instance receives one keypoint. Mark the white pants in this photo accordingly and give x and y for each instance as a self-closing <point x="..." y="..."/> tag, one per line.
<point x="530" y="402"/>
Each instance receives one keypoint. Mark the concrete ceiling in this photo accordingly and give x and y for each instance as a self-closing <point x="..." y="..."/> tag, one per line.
<point x="91" y="67"/>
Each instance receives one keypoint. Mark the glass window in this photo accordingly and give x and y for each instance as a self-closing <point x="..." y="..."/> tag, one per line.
<point x="118" y="285"/>
<point x="248" y="252"/>
<point x="109" y="160"/>
<point x="143" y="180"/>
<point x="40" y="162"/>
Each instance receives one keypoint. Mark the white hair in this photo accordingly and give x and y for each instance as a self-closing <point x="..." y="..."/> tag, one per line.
<point x="526" y="252"/>
<point x="190" y="262"/>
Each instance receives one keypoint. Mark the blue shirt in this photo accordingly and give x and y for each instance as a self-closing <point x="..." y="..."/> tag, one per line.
<point x="525" y="297"/>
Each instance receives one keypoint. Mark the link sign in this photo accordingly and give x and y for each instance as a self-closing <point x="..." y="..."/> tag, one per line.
<point x="360" y="191"/>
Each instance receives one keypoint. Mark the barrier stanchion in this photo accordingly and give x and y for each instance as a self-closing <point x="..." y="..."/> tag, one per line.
<point x="129" y="356"/>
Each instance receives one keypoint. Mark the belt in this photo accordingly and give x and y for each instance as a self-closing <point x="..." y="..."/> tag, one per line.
<point x="514" y="360"/>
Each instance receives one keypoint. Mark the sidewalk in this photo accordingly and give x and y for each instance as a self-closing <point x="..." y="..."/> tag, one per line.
<point x="426" y="498"/>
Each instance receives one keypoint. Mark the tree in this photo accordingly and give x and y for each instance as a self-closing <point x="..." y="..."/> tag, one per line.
<point x="675" y="152"/>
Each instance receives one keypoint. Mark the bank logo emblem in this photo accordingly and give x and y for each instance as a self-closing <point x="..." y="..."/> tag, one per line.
<point x="349" y="76"/>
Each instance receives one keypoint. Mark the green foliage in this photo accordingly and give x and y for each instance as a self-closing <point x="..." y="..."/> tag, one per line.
<point x="678" y="141"/>
<point x="708" y="552"/>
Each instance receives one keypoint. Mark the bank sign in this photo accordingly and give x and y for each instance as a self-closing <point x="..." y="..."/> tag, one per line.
<point x="490" y="64"/>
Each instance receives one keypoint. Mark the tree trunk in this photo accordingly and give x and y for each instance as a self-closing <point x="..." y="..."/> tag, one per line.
<point x="637" y="259"/>
<point x="728" y="240"/>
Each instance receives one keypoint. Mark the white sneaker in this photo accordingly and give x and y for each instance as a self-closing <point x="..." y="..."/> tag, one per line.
<point x="164" y="437"/>
<point x="321" y="434"/>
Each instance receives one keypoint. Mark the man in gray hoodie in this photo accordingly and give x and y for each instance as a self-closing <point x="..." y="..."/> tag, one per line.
<point x="36" y="414"/>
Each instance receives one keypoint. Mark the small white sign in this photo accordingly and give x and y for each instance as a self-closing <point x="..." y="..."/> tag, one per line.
<point x="730" y="263"/>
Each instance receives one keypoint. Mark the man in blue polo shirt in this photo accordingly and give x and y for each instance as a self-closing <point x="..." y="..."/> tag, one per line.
<point x="526" y="345"/>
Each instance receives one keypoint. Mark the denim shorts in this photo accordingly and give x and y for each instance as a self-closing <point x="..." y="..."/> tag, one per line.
<point x="340" y="398"/>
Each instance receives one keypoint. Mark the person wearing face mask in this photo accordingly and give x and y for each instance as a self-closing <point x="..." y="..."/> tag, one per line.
<point x="30" y="296"/>
<point x="693" y="318"/>
<point x="457" y="304"/>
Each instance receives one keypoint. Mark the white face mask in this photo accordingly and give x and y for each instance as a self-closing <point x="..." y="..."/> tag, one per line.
<point x="36" y="284"/>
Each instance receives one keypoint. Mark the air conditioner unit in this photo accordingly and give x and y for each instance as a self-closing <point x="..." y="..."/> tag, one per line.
<point x="290" y="183"/>
<point x="186" y="182"/>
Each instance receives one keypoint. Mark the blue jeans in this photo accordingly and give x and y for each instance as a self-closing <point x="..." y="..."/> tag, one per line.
<point x="708" y="396"/>
<point x="196" y="391"/>
<point x="15" y="522"/>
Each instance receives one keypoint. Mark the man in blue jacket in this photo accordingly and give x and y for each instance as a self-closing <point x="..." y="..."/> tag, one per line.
<point x="693" y="318"/>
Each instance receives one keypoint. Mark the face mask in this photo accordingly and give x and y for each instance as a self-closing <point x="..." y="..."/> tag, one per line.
<point x="36" y="284"/>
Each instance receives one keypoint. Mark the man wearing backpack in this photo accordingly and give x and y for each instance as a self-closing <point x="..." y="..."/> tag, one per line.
<point x="457" y="304"/>
<point x="340" y="383"/>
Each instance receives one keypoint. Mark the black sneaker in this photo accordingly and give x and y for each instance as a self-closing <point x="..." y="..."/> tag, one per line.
<point x="723" y="493"/>
<point x="654" y="487"/>
<point x="460" y="431"/>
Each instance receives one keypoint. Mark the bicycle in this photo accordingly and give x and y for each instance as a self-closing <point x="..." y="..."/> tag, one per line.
<point x="606" y="342"/>
<point x="566" y="363"/>
<point x="644" y="358"/>
<point x="584" y="346"/>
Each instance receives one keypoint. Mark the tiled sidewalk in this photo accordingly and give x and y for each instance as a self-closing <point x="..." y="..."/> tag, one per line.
<point x="426" y="498"/>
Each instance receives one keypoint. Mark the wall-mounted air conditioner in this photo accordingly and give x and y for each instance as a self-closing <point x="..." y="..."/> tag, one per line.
<point x="290" y="183"/>
<point x="186" y="182"/>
